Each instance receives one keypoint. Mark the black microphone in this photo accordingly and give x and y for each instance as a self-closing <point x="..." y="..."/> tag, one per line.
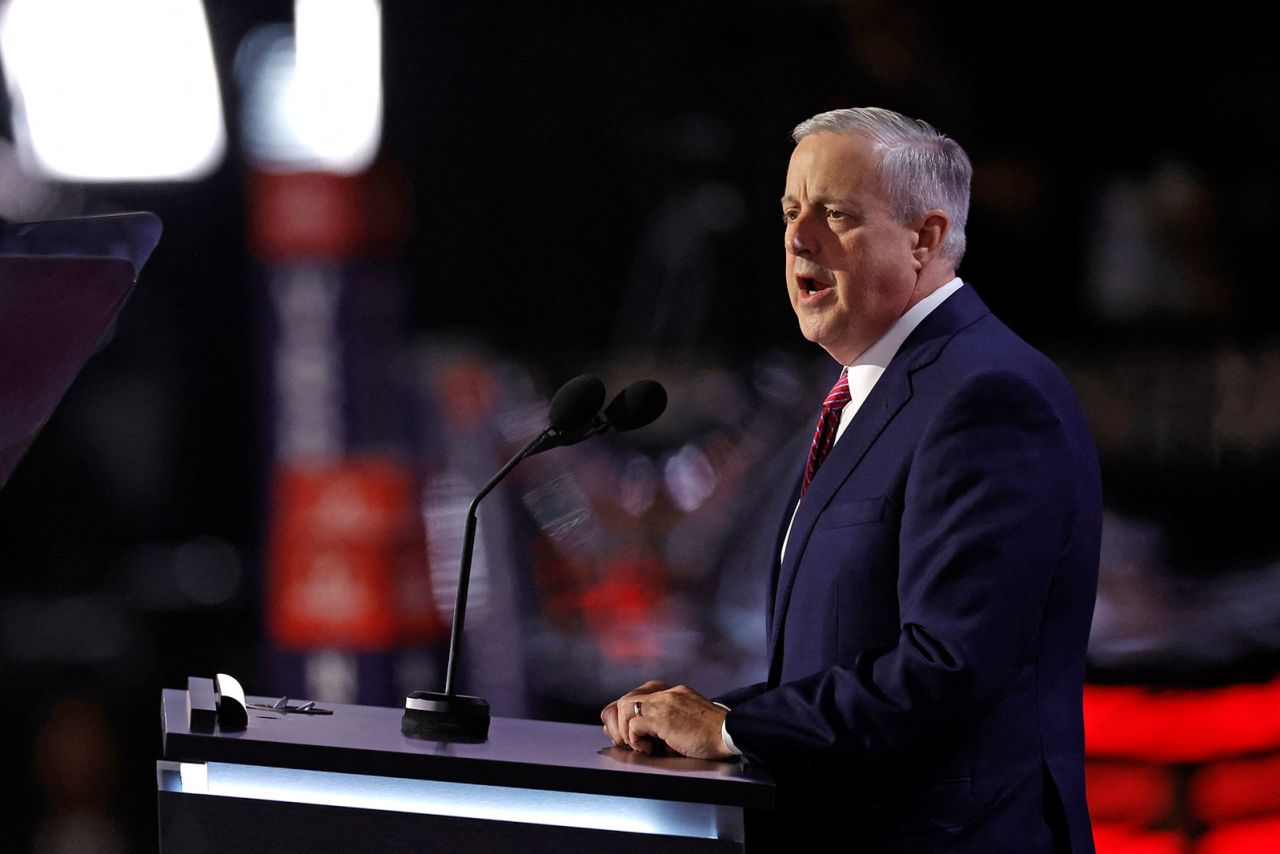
<point x="636" y="406"/>
<point x="573" y="410"/>
<point x="429" y="714"/>
<point x="576" y="403"/>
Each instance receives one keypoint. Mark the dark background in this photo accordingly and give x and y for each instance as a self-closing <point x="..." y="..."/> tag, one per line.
<point x="594" y="182"/>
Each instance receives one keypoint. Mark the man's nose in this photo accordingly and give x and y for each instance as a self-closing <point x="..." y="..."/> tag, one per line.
<point x="800" y="239"/>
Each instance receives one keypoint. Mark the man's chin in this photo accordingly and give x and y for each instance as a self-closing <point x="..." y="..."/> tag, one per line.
<point x="815" y="326"/>
<point x="835" y="347"/>
<point x="810" y="332"/>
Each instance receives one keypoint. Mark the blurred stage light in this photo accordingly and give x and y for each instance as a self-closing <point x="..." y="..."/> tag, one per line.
<point x="25" y="197"/>
<point x="689" y="477"/>
<point x="112" y="91"/>
<point x="313" y="97"/>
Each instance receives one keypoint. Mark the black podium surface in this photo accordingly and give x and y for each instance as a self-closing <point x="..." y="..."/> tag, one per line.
<point x="533" y="785"/>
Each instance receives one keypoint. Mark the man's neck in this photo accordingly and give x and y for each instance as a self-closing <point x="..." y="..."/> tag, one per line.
<point x="884" y="347"/>
<point x="930" y="280"/>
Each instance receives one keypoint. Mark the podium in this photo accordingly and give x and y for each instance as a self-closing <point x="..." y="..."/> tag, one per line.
<point x="62" y="283"/>
<point x="351" y="782"/>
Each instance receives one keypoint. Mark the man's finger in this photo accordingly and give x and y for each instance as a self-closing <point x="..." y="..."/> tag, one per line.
<point x="612" y="726"/>
<point x="626" y="712"/>
<point x="615" y="717"/>
<point x="641" y="733"/>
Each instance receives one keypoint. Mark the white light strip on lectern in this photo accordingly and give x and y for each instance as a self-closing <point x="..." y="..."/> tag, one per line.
<point x="195" y="778"/>
<point x="427" y="797"/>
<point x="124" y="90"/>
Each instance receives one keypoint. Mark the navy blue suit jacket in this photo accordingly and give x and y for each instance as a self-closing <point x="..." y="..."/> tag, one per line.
<point x="927" y="628"/>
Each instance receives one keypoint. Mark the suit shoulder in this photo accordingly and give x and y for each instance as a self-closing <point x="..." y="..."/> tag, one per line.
<point x="988" y="348"/>
<point x="987" y="362"/>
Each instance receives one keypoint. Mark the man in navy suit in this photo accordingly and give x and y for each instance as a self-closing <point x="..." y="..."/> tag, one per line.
<point x="936" y="562"/>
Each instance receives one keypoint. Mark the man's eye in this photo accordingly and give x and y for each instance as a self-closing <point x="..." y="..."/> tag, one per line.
<point x="788" y="216"/>
<point x="835" y="214"/>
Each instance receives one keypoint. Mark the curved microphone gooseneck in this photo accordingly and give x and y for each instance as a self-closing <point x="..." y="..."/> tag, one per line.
<point x="430" y="714"/>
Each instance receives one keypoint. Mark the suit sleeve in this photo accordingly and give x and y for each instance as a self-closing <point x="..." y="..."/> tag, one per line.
<point x="987" y="512"/>
<point x="740" y="695"/>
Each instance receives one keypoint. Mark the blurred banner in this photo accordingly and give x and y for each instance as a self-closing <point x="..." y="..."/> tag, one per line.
<point x="347" y="586"/>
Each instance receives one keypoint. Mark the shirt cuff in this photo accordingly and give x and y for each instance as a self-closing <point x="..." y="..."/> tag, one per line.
<point x="724" y="735"/>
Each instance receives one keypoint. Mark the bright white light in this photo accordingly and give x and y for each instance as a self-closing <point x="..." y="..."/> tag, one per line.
<point x="339" y="92"/>
<point x="314" y="99"/>
<point x="464" y="800"/>
<point x="113" y="91"/>
<point x="195" y="778"/>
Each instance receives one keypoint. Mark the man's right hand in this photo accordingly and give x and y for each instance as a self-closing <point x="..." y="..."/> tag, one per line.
<point x="679" y="719"/>
<point x="616" y="715"/>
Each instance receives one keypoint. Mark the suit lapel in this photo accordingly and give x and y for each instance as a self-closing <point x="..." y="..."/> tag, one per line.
<point x="774" y="564"/>
<point x="887" y="398"/>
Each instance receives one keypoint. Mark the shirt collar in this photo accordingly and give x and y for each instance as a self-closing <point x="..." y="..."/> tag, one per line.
<point x="886" y="347"/>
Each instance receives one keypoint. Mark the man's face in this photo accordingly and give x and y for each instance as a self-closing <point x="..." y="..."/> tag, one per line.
<point x="850" y="269"/>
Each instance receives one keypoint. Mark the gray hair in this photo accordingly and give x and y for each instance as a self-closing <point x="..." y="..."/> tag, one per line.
<point x="920" y="168"/>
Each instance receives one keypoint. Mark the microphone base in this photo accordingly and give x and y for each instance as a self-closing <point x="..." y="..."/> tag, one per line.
<point x="445" y="717"/>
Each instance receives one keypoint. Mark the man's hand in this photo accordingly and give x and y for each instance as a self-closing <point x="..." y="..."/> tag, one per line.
<point x="685" y="720"/>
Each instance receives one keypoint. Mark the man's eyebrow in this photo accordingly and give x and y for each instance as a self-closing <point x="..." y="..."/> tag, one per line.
<point x="824" y="200"/>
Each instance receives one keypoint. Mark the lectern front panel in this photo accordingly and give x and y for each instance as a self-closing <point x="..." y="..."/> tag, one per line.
<point x="352" y="782"/>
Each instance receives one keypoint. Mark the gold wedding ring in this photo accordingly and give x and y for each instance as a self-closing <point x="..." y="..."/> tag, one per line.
<point x="635" y="710"/>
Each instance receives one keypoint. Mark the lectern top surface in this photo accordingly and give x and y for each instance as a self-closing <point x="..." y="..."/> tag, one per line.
<point x="522" y="753"/>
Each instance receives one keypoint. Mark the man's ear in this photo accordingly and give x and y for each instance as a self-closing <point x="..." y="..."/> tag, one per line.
<point x="929" y="229"/>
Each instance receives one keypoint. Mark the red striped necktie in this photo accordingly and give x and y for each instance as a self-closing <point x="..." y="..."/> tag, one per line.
<point x="825" y="434"/>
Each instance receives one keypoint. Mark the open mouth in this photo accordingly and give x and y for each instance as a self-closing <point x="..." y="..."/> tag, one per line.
<point x="810" y="286"/>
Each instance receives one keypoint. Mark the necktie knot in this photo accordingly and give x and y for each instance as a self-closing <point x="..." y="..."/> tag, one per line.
<point x="838" y="397"/>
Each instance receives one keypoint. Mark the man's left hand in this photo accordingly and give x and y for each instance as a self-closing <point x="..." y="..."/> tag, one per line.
<point x="685" y="720"/>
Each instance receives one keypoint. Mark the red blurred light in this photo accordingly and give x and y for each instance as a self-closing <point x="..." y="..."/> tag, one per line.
<point x="1181" y="725"/>
<point x="1236" y="789"/>
<point x="1245" y="837"/>
<point x="1129" y="793"/>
